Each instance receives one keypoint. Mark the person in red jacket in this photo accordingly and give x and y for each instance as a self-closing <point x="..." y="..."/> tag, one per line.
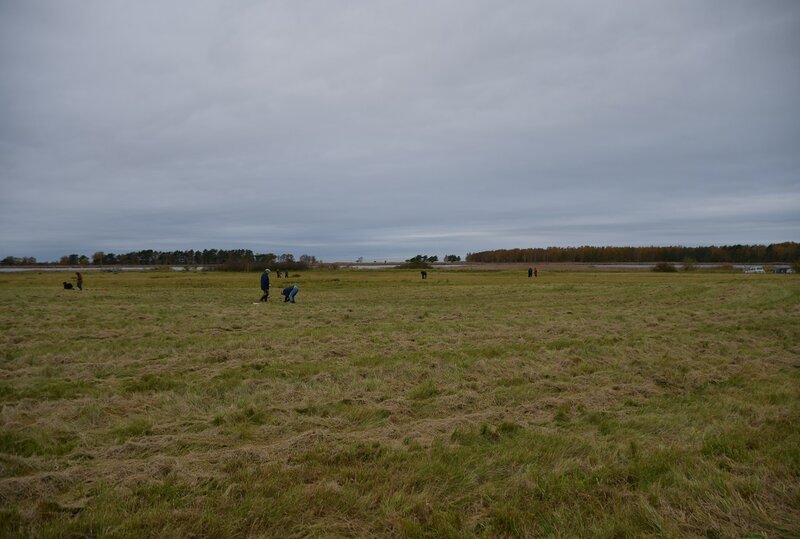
<point x="79" y="279"/>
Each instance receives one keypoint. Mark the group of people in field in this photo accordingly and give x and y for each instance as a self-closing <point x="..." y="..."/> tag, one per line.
<point x="291" y="291"/>
<point x="288" y="293"/>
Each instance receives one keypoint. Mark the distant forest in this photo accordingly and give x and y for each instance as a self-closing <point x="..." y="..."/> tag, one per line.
<point x="786" y="252"/>
<point x="235" y="259"/>
<point x="776" y="252"/>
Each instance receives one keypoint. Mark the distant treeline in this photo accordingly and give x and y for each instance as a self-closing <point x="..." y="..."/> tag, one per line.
<point x="234" y="259"/>
<point x="776" y="252"/>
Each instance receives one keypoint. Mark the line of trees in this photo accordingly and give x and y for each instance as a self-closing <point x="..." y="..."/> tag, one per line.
<point x="432" y="259"/>
<point x="17" y="261"/>
<point x="423" y="258"/>
<point x="777" y="252"/>
<point x="785" y="252"/>
<point x="222" y="258"/>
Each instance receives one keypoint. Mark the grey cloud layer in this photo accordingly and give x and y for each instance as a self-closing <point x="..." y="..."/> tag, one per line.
<point x="385" y="129"/>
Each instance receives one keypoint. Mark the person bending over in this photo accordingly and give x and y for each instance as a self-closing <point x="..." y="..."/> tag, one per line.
<point x="289" y="293"/>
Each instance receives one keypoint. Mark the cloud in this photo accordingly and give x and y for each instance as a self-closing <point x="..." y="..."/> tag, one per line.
<point x="395" y="128"/>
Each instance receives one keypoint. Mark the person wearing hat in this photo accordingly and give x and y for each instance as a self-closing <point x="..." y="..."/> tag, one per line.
<point x="265" y="285"/>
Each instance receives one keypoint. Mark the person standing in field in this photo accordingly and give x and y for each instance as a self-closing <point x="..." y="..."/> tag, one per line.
<point x="530" y="273"/>
<point x="289" y="293"/>
<point x="265" y="285"/>
<point x="79" y="279"/>
<point x="535" y="272"/>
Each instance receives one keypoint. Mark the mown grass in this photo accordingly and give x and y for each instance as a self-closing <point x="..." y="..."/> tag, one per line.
<point x="472" y="404"/>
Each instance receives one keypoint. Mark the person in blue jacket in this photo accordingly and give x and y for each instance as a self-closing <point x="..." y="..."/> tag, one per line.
<point x="265" y="285"/>
<point x="289" y="293"/>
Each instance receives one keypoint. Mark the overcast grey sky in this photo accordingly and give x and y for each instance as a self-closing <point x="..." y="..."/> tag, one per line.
<point x="385" y="129"/>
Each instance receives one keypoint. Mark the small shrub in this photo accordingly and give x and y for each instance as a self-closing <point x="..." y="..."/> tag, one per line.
<point x="416" y="264"/>
<point x="664" y="267"/>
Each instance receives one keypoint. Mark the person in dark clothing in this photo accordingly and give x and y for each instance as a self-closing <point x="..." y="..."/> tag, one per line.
<point x="535" y="272"/>
<point x="289" y="293"/>
<point x="79" y="279"/>
<point x="530" y="273"/>
<point x="278" y="273"/>
<point x="265" y="285"/>
<point x="423" y="274"/>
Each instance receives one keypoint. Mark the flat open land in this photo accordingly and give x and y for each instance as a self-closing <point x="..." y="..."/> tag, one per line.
<point x="471" y="404"/>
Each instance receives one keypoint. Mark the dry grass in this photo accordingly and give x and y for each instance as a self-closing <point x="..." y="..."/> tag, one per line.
<point x="476" y="403"/>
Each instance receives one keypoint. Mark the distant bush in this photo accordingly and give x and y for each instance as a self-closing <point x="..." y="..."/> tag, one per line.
<point x="423" y="259"/>
<point x="689" y="264"/>
<point x="796" y="266"/>
<point x="286" y="266"/>
<point x="415" y="264"/>
<point x="261" y="266"/>
<point x="234" y="266"/>
<point x="665" y="267"/>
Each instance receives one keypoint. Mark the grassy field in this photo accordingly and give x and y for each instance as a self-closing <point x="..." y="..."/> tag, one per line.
<point x="472" y="404"/>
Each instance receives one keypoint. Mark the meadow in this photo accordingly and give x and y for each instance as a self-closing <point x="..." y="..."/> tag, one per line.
<point x="475" y="403"/>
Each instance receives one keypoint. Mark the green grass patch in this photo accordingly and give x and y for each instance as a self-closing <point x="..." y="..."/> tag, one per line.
<point x="132" y="428"/>
<point x="37" y="443"/>
<point x="638" y="404"/>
